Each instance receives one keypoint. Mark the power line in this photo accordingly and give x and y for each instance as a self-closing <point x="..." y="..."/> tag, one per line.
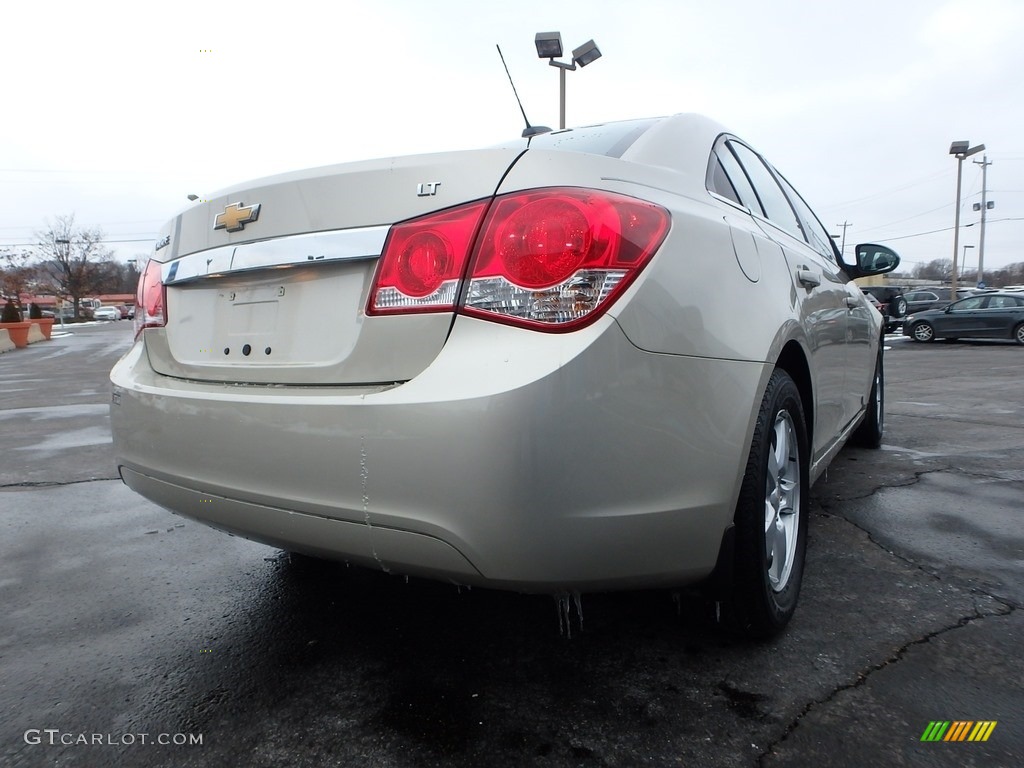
<point x="18" y="245"/>
<point x="949" y="229"/>
<point x="876" y="195"/>
<point x="908" y="218"/>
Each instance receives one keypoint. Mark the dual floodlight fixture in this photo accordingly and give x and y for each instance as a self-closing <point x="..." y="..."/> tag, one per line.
<point x="962" y="149"/>
<point x="549" y="46"/>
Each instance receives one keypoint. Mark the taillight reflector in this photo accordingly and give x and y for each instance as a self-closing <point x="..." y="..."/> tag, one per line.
<point x="423" y="260"/>
<point x="150" y="304"/>
<point x="551" y="259"/>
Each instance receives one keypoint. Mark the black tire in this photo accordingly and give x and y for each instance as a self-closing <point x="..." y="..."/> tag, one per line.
<point x="766" y="584"/>
<point x="898" y="307"/>
<point x="922" y="332"/>
<point x="869" y="432"/>
<point x="1018" y="334"/>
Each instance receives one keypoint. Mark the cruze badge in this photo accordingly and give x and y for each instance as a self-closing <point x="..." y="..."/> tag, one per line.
<point x="236" y="216"/>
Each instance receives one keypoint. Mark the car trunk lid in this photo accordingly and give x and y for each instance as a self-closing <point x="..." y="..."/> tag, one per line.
<point x="267" y="283"/>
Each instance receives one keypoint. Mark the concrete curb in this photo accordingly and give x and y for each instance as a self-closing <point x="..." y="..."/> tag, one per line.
<point x="6" y="345"/>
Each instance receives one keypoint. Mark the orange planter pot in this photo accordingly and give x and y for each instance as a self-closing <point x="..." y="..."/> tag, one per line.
<point x="45" y="325"/>
<point x="18" y="332"/>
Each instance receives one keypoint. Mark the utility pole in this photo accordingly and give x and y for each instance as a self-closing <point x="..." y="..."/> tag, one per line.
<point x="985" y="205"/>
<point x="842" y="248"/>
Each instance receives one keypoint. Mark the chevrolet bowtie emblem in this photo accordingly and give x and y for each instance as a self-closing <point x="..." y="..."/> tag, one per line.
<point x="236" y="216"/>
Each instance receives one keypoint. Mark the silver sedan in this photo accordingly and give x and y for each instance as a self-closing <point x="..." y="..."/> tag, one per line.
<point x="603" y="358"/>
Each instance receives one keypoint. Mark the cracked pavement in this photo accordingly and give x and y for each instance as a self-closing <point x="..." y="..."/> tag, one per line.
<point x="121" y="618"/>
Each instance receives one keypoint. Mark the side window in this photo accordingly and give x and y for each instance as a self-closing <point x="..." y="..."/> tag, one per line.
<point x="1002" y="302"/>
<point x="815" y="233"/>
<point x="740" y="183"/>
<point x="719" y="182"/>
<point x="968" y="304"/>
<point x="773" y="200"/>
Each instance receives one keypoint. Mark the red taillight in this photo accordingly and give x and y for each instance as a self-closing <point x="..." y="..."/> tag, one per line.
<point x="538" y="243"/>
<point x="423" y="260"/>
<point x="551" y="258"/>
<point x="547" y="259"/>
<point x="150" y="309"/>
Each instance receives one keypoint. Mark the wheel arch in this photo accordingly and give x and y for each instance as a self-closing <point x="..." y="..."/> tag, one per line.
<point x="793" y="361"/>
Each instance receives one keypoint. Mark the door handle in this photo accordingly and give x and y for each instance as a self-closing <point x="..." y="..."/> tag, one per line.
<point x="807" y="277"/>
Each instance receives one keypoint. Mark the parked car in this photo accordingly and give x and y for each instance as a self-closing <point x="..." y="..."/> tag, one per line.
<point x="106" y="313"/>
<point x="503" y="366"/>
<point x="985" y="316"/>
<point x="926" y="298"/>
<point x="891" y="324"/>
<point x="123" y="309"/>
<point x="891" y="299"/>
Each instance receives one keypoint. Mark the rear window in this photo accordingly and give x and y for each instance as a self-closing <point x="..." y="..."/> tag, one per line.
<point x="609" y="139"/>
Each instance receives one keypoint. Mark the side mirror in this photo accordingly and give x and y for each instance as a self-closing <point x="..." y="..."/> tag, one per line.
<point x="873" y="259"/>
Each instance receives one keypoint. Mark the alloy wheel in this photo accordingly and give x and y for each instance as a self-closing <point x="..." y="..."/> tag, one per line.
<point x="782" y="501"/>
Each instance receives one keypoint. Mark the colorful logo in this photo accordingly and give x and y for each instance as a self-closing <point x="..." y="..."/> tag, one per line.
<point x="958" y="730"/>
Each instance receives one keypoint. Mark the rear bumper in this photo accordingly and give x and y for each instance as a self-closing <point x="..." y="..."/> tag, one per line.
<point x="518" y="460"/>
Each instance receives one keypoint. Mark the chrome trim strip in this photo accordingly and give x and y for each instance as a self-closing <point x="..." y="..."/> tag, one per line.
<point x="289" y="251"/>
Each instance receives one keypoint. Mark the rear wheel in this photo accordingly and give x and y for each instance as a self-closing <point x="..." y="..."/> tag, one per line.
<point x="771" y="515"/>
<point x="1018" y="334"/>
<point x="898" y="307"/>
<point x="923" y="332"/>
<point x="869" y="433"/>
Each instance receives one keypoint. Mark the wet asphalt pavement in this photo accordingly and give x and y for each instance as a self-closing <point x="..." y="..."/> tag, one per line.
<point x="125" y="625"/>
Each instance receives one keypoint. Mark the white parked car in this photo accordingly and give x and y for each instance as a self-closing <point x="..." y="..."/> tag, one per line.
<point x="603" y="358"/>
<point x="106" y="313"/>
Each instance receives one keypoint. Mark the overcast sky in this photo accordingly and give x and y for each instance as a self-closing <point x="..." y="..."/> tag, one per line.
<point x="116" y="111"/>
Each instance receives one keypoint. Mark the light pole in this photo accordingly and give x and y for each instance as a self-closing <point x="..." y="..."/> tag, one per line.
<point x="549" y="46"/>
<point x="963" y="260"/>
<point x="960" y="150"/>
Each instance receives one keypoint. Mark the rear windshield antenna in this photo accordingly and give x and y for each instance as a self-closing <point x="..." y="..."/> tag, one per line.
<point x="530" y="130"/>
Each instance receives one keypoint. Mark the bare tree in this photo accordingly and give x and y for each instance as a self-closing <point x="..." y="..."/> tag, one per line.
<point x="73" y="260"/>
<point x="936" y="269"/>
<point x="123" y="278"/>
<point x="16" y="274"/>
<point x="1011" y="274"/>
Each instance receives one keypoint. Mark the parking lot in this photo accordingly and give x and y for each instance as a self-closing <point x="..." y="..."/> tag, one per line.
<point x="134" y="637"/>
